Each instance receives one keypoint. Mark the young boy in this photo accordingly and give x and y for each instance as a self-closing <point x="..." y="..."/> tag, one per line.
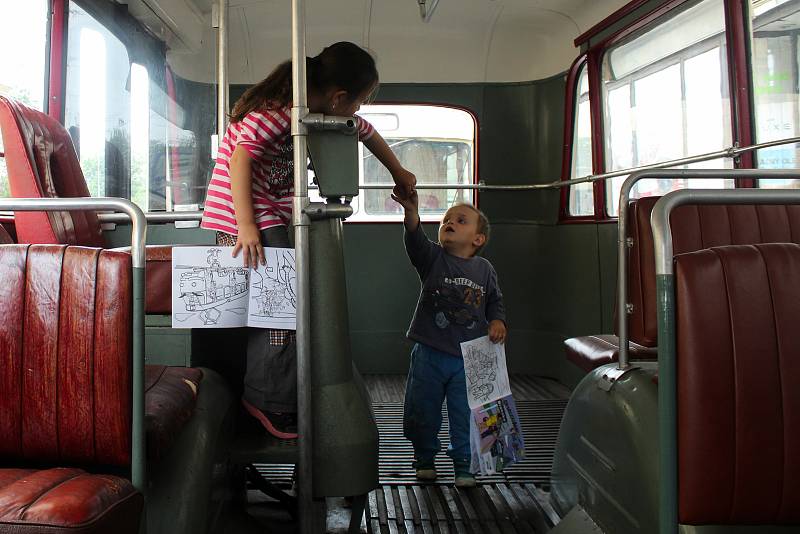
<point x="460" y="301"/>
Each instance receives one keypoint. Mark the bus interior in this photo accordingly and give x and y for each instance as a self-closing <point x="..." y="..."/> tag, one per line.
<point x="637" y="161"/>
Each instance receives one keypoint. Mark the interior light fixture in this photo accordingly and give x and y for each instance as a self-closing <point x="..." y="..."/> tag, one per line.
<point x="426" y="9"/>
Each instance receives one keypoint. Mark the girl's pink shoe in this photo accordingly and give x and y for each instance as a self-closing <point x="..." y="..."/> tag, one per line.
<point x="280" y="425"/>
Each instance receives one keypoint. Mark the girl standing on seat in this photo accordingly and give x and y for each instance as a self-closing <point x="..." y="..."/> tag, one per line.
<point x="249" y="199"/>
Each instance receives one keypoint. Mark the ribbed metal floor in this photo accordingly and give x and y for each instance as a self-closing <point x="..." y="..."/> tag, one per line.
<point x="493" y="508"/>
<point x="505" y="503"/>
<point x="540" y="421"/>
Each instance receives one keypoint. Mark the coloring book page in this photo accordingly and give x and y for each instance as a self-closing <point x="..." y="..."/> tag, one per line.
<point x="486" y="371"/>
<point x="273" y="297"/>
<point x="212" y="289"/>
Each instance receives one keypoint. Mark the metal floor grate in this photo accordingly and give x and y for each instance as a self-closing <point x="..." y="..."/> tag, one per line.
<point x="489" y="508"/>
<point x="540" y="421"/>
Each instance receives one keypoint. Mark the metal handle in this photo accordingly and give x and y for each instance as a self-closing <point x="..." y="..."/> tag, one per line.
<point x="622" y="229"/>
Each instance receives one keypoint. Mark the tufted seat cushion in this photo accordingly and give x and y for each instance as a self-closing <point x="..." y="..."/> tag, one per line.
<point x="170" y="395"/>
<point x="590" y="352"/>
<point x="65" y="500"/>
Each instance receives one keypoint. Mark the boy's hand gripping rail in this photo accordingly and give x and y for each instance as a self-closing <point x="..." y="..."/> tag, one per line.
<point x="138" y="237"/>
<point x="667" y="380"/>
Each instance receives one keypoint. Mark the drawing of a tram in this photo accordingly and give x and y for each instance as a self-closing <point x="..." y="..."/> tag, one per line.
<point x="204" y="288"/>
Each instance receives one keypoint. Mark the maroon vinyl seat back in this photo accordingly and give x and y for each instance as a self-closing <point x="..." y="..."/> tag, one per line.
<point x="42" y="163"/>
<point x="738" y="370"/>
<point x="5" y="237"/>
<point x="66" y="349"/>
<point x="695" y="228"/>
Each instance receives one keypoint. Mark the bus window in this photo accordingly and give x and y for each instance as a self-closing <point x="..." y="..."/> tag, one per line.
<point x="775" y="83"/>
<point x="98" y="104"/>
<point x="134" y="122"/>
<point x="581" y="197"/>
<point x="436" y="143"/>
<point x="23" y="35"/>
<point x="665" y="96"/>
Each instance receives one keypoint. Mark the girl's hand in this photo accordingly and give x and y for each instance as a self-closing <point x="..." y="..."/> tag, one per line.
<point x="409" y="203"/>
<point x="497" y="331"/>
<point x="248" y="241"/>
<point x="405" y="182"/>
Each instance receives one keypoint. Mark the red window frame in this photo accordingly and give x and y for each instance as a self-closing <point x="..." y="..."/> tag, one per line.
<point x="739" y="77"/>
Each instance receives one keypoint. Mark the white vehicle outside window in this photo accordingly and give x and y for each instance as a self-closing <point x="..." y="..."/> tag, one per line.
<point x="436" y="143"/>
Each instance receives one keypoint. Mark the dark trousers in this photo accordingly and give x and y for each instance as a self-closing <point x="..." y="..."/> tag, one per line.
<point x="270" y="381"/>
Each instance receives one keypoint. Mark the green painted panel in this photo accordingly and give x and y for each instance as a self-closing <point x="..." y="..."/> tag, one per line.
<point x="559" y="280"/>
<point x="607" y="247"/>
<point x="160" y="234"/>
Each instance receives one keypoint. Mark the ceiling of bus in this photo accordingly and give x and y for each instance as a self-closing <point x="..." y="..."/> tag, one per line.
<point x="465" y="40"/>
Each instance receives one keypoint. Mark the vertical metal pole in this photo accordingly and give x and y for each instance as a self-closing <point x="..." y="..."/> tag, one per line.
<point x="622" y="270"/>
<point x="301" y="223"/>
<point x="222" y="69"/>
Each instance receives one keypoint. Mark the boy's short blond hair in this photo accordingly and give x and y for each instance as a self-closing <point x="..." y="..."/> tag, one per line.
<point x="483" y="222"/>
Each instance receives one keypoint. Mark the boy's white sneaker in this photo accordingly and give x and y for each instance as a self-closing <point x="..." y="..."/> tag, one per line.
<point x="465" y="480"/>
<point x="426" y="473"/>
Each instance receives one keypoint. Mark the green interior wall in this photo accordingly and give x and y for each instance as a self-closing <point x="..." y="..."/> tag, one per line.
<point x="559" y="280"/>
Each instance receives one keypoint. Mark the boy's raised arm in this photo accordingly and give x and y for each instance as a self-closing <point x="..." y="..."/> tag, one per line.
<point x="418" y="246"/>
<point x="411" y="207"/>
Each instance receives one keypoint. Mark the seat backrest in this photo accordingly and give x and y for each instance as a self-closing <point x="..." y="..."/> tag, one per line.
<point x="42" y="163"/>
<point x="738" y="365"/>
<point x="65" y="354"/>
<point x="5" y="237"/>
<point x="695" y="228"/>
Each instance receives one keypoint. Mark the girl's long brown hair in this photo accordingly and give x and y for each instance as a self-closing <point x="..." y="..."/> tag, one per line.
<point x="343" y="65"/>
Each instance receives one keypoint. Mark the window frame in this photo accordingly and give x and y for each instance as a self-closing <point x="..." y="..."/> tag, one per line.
<point x="570" y="123"/>
<point x="53" y="72"/>
<point x="384" y="219"/>
<point x="739" y="81"/>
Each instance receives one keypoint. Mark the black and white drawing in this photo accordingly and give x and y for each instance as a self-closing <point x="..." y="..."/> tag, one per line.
<point x="212" y="289"/>
<point x="486" y="371"/>
<point x="272" y="291"/>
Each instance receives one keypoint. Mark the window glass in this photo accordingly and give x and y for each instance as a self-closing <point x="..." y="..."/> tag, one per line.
<point x="23" y="38"/>
<point x="436" y="143"/>
<point x="665" y="97"/>
<point x="776" y="26"/>
<point x="141" y="131"/>
<point x="581" y="197"/>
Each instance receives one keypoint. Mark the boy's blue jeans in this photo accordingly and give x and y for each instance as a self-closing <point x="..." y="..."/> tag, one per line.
<point x="434" y="376"/>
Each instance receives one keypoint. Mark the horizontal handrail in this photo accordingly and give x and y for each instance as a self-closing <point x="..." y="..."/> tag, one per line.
<point x="731" y="152"/>
<point x="129" y="211"/>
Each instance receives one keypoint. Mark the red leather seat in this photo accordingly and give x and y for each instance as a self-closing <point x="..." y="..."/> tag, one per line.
<point x="65" y="339"/>
<point x="5" y="238"/>
<point x="693" y="228"/>
<point x="65" y="378"/>
<point x="42" y="163"/>
<point x="590" y="352"/>
<point x="65" y="500"/>
<point x="738" y="369"/>
<point x="170" y="395"/>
